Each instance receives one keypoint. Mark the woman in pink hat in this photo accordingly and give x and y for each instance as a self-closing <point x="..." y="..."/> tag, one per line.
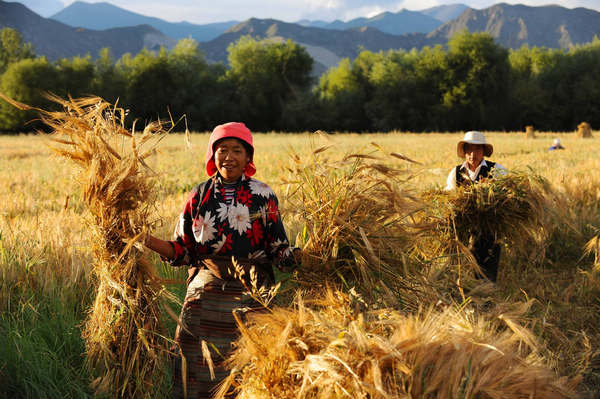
<point x="474" y="148"/>
<point x="229" y="215"/>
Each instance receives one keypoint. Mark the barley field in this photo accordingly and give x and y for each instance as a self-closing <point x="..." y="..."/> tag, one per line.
<point x="47" y="288"/>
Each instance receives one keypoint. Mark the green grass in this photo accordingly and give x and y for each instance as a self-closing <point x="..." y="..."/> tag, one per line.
<point x="42" y="354"/>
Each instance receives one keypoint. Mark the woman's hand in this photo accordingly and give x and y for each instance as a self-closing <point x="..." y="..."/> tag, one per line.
<point x="161" y="247"/>
<point x="297" y="252"/>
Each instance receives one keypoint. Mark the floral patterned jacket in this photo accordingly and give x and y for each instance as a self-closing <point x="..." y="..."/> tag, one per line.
<point x="250" y="227"/>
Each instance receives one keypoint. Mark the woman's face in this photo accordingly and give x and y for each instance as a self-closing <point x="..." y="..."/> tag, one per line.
<point x="231" y="159"/>
<point x="473" y="154"/>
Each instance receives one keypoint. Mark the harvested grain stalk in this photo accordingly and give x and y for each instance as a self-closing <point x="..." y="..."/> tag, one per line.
<point x="329" y="349"/>
<point x="355" y="212"/>
<point x="529" y="132"/>
<point x="125" y="341"/>
<point x="584" y="131"/>
<point x="513" y="208"/>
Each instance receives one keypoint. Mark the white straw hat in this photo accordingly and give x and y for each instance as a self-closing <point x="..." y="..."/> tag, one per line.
<point x="557" y="142"/>
<point x="474" y="137"/>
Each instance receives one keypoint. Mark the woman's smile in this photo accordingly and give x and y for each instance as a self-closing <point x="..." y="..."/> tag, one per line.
<point x="231" y="159"/>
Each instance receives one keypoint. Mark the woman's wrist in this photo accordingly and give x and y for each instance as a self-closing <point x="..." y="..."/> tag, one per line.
<point x="161" y="247"/>
<point x="297" y="253"/>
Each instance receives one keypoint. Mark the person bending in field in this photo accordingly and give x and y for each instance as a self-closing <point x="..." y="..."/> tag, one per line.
<point x="474" y="148"/>
<point x="556" y="145"/>
<point x="229" y="215"/>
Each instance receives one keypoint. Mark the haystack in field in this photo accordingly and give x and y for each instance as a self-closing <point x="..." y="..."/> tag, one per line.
<point x="332" y="350"/>
<point x="125" y="344"/>
<point x="584" y="131"/>
<point x="513" y="208"/>
<point x="529" y="132"/>
<point x="355" y="213"/>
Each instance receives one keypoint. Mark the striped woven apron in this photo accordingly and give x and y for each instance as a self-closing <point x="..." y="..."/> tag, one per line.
<point x="207" y="320"/>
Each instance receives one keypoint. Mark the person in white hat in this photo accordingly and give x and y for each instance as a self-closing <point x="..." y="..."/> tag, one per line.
<point x="474" y="148"/>
<point x="556" y="146"/>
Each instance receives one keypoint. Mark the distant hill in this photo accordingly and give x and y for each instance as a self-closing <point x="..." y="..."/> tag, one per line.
<point x="326" y="46"/>
<point x="313" y="24"/>
<point x="102" y="16"/>
<point x="398" y="23"/>
<point x="446" y="12"/>
<point x="511" y="25"/>
<point x="56" y="40"/>
<point x="45" y="8"/>
<point x="516" y="25"/>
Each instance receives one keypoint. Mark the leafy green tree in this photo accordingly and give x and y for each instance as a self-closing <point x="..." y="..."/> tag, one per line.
<point x="76" y="76"/>
<point x="342" y="93"/>
<point x="266" y="76"/>
<point x="12" y="48"/>
<point x="393" y="81"/>
<point x="199" y="93"/>
<point x="475" y="92"/>
<point x="529" y="99"/>
<point x="576" y="86"/>
<point x="108" y="81"/>
<point x="406" y="90"/>
<point x="27" y="81"/>
<point x="149" y="84"/>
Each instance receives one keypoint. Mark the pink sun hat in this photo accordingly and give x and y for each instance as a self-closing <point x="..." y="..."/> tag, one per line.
<point x="229" y="130"/>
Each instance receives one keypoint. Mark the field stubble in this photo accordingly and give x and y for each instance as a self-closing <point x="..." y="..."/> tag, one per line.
<point x="44" y="249"/>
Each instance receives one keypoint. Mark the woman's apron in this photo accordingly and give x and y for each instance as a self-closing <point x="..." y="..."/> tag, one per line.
<point x="213" y="295"/>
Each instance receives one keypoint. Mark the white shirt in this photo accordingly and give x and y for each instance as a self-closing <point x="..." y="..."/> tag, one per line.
<point x="497" y="171"/>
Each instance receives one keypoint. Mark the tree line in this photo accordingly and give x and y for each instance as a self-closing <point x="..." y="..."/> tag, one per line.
<point x="470" y="83"/>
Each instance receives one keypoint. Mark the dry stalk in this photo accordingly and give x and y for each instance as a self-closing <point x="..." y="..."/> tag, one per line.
<point x="513" y="208"/>
<point x="125" y="342"/>
<point x="355" y="212"/>
<point x="584" y="131"/>
<point x="328" y="348"/>
<point x="529" y="132"/>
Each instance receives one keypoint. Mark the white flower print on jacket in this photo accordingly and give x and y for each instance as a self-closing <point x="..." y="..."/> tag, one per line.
<point x="239" y="218"/>
<point x="277" y="243"/>
<point x="222" y="211"/>
<point x="203" y="228"/>
<point x="260" y="188"/>
<point x="250" y="227"/>
<point x="180" y="225"/>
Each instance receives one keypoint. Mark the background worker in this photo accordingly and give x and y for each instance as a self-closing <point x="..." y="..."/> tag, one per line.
<point x="556" y="145"/>
<point x="474" y="148"/>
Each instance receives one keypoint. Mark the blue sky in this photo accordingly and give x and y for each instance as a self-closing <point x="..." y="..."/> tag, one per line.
<point x="202" y="11"/>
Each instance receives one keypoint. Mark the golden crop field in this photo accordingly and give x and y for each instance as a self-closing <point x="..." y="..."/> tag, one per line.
<point x="45" y="260"/>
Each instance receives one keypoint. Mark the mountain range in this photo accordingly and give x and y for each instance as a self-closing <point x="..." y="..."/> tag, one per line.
<point x="57" y="40"/>
<point x="517" y="25"/>
<point x="326" y="46"/>
<point x="512" y="26"/>
<point x="85" y="28"/>
<point x="398" y="23"/>
<point x="446" y="12"/>
<point x="100" y="16"/>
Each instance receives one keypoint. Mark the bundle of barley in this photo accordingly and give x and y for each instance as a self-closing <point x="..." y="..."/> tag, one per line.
<point x="584" y="131"/>
<point x="513" y="208"/>
<point x="123" y="333"/>
<point x="332" y="350"/>
<point x="593" y="246"/>
<point x="355" y="216"/>
<point x="529" y="132"/>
